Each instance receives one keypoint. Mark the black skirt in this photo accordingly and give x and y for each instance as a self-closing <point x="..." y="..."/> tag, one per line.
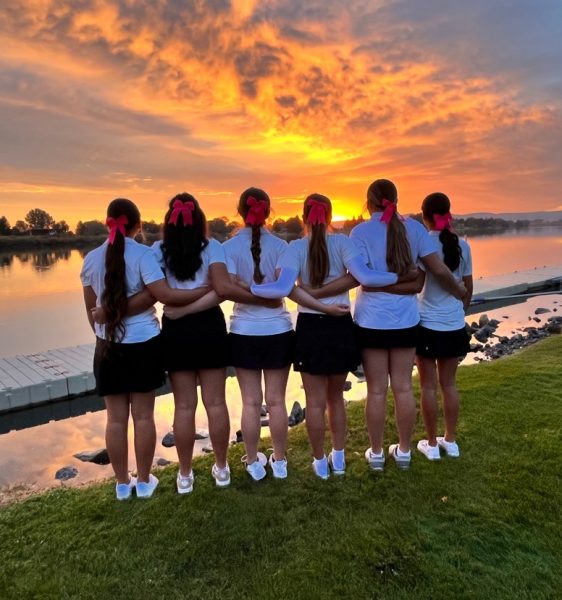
<point x="387" y="338"/>
<point x="194" y="342"/>
<point x="128" y="368"/>
<point x="262" y="351"/>
<point x="325" y="345"/>
<point x="443" y="344"/>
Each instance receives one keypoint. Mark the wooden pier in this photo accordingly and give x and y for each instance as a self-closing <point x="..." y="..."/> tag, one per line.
<point x="34" y="379"/>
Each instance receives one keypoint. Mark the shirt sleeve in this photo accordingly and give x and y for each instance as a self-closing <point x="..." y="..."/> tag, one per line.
<point x="426" y="244"/>
<point x="216" y="252"/>
<point x="290" y="258"/>
<point x="229" y="256"/>
<point x="359" y="245"/>
<point x="158" y="254"/>
<point x="149" y="268"/>
<point x="467" y="260"/>
<point x="86" y="272"/>
<point x="348" y="250"/>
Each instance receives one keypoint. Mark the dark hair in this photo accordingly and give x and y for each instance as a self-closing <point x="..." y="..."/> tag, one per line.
<point x="440" y="204"/>
<point x="398" y="251"/>
<point x="318" y="258"/>
<point x="114" y="296"/>
<point x="243" y="210"/>
<point x="182" y="244"/>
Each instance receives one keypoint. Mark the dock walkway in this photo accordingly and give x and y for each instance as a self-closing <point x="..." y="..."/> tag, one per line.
<point x="33" y="379"/>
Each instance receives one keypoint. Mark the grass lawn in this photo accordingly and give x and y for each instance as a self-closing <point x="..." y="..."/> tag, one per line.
<point x="484" y="526"/>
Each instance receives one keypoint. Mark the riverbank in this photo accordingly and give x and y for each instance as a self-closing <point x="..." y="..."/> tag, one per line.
<point x="23" y="243"/>
<point x="478" y="527"/>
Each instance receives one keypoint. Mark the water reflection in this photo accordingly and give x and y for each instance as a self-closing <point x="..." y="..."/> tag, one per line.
<point x="39" y="260"/>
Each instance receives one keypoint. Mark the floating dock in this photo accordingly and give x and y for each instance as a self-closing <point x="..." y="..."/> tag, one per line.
<point x="43" y="377"/>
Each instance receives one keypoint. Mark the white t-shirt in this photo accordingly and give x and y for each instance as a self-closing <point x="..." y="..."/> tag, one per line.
<point x="439" y="310"/>
<point x="250" y="319"/>
<point x="341" y="250"/>
<point x="141" y="268"/>
<point x="381" y="310"/>
<point x="212" y="253"/>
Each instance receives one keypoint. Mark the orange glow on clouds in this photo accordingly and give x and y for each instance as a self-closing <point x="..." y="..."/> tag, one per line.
<point x="145" y="99"/>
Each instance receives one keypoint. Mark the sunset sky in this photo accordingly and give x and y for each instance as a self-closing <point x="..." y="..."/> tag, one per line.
<point x="146" y="98"/>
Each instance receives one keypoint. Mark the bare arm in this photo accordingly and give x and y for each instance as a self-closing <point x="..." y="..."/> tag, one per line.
<point x="209" y="300"/>
<point x="139" y="303"/>
<point x="90" y="300"/>
<point x="405" y="288"/>
<point x="440" y="271"/>
<point x="167" y="295"/>
<point x="334" y="288"/>
<point x="468" y="284"/>
<point x="228" y="289"/>
<point x="302" y="298"/>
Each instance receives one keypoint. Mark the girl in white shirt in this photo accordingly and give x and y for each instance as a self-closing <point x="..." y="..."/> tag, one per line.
<point x="127" y="363"/>
<point x="195" y="346"/>
<point x="326" y="348"/>
<point x="387" y="323"/>
<point x="443" y="338"/>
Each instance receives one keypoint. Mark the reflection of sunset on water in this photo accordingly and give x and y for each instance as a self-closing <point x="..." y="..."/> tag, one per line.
<point x="144" y="99"/>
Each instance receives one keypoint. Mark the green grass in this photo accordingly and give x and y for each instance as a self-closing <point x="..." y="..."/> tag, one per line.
<point x="484" y="526"/>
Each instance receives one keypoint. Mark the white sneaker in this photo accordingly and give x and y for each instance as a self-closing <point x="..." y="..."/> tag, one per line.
<point x="321" y="468"/>
<point x="279" y="467"/>
<point x="184" y="483"/>
<point x="451" y="448"/>
<point x="257" y="468"/>
<point x="430" y="452"/>
<point x="336" y="460"/>
<point x="146" y="489"/>
<point x="402" y="459"/>
<point x="376" y="461"/>
<point x="222" y="476"/>
<point x="123" y="491"/>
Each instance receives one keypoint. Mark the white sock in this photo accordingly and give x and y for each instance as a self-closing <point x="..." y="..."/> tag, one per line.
<point x="400" y="453"/>
<point x="338" y="453"/>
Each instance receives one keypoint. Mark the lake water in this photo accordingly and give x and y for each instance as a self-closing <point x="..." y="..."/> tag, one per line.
<point x="41" y="308"/>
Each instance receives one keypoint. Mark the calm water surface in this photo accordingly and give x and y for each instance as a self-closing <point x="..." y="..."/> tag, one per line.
<point x="41" y="308"/>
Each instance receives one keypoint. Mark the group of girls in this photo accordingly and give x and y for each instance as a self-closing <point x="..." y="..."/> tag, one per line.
<point x="191" y="274"/>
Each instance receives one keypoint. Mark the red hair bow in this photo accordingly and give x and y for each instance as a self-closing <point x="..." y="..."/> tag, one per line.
<point x="317" y="213"/>
<point x="389" y="211"/>
<point x="441" y="222"/>
<point x="185" y="209"/>
<point x="116" y="225"/>
<point x="256" y="214"/>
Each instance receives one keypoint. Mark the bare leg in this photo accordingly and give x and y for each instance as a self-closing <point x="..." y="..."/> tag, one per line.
<point x="337" y="416"/>
<point x="275" y="387"/>
<point x="316" y="390"/>
<point x="401" y="363"/>
<point x="249" y="381"/>
<point x="184" y="386"/>
<point x="428" y="381"/>
<point x="447" y="368"/>
<point x="376" y="367"/>
<point x="116" y="435"/>
<point x="142" y="410"/>
<point x="213" y="394"/>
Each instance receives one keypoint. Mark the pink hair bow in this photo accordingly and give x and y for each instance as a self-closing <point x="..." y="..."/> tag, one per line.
<point x="317" y="212"/>
<point x="441" y="222"/>
<point x="116" y="225"/>
<point x="389" y="211"/>
<point x="256" y="214"/>
<point x="185" y="209"/>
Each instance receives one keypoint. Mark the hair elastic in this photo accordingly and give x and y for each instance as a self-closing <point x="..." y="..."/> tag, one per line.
<point x="389" y="211"/>
<point x="317" y="213"/>
<point x="441" y="222"/>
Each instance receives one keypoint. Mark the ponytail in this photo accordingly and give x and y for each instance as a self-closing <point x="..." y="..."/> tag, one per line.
<point x="114" y="295"/>
<point x="317" y="214"/>
<point x="436" y="213"/>
<point x="382" y="193"/>
<point x="256" y="253"/>
<point x="254" y="207"/>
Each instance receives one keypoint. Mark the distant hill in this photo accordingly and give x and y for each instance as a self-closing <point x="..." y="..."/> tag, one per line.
<point x="554" y="215"/>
